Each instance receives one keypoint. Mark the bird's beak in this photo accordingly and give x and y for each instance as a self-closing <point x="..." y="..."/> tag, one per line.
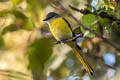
<point x="45" y="19"/>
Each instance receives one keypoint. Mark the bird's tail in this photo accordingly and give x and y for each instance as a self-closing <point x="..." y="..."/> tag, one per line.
<point x="81" y="58"/>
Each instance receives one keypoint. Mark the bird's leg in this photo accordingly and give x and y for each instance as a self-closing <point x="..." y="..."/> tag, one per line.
<point x="66" y="40"/>
<point x="57" y="42"/>
<point x="73" y="39"/>
<point x="63" y="41"/>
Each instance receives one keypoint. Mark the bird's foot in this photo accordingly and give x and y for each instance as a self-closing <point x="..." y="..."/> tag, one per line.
<point x="57" y="42"/>
<point x="62" y="41"/>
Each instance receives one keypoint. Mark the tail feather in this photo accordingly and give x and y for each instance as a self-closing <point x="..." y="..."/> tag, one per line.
<point x="82" y="60"/>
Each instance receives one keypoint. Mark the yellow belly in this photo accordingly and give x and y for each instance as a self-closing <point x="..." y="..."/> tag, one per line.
<point x="60" y="29"/>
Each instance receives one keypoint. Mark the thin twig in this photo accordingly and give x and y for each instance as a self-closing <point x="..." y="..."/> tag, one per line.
<point x="53" y="6"/>
<point x="15" y="74"/>
<point x="116" y="46"/>
<point x="83" y="11"/>
<point x="12" y="71"/>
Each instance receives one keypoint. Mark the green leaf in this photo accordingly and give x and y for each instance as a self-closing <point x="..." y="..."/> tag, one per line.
<point x="18" y="14"/>
<point x="89" y="35"/>
<point x="29" y="25"/>
<point x="40" y="4"/>
<point x="16" y="2"/>
<point x="108" y="28"/>
<point x="22" y="20"/>
<point x="4" y="13"/>
<point x="104" y="21"/>
<point x="88" y="19"/>
<point x="39" y="52"/>
<point x="106" y="2"/>
<point x="9" y="28"/>
<point x="36" y="4"/>
<point x="116" y="27"/>
<point x="1" y="42"/>
<point x="77" y="30"/>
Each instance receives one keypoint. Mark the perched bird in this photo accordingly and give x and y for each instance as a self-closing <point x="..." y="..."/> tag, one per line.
<point x="62" y="31"/>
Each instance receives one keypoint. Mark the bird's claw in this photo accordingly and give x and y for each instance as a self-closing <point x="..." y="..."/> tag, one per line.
<point x="62" y="41"/>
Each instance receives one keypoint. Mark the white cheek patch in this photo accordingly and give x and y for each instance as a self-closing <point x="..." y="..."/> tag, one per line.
<point x="47" y="22"/>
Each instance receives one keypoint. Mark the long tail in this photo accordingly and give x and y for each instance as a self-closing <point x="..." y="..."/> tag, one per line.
<point x="82" y="60"/>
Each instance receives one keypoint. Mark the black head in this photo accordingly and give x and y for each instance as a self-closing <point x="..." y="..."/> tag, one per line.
<point x="51" y="15"/>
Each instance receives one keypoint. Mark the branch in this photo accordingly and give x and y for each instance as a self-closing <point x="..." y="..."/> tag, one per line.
<point x="15" y="74"/>
<point x="12" y="71"/>
<point x="69" y="40"/>
<point x="86" y="28"/>
<point x="101" y="14"/>
<point x="83" y="11"/>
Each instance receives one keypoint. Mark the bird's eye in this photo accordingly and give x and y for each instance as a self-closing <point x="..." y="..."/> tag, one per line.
<point x="50" y="16"/>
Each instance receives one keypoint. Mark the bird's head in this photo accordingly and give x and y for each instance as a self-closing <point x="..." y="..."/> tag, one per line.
<point x="51" y="16"/>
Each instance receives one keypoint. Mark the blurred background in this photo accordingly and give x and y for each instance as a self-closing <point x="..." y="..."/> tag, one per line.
<point x="28" y="50"/>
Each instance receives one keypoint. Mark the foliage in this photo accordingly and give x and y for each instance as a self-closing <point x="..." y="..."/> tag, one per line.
<point x="39" y="52"/>
<point x="27" y="48"/>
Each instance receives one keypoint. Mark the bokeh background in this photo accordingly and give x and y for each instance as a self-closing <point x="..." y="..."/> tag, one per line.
<point x="28" y="50"/>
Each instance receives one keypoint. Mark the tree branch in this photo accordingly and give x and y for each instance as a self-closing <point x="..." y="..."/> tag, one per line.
<point x="101" y="14"/>
<point x="69" y="40"/>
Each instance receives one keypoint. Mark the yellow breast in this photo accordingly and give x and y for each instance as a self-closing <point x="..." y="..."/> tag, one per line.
<point x="60" y="29"/>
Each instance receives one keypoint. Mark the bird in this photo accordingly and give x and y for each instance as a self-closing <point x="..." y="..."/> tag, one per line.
<point x="62" y="31"/>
